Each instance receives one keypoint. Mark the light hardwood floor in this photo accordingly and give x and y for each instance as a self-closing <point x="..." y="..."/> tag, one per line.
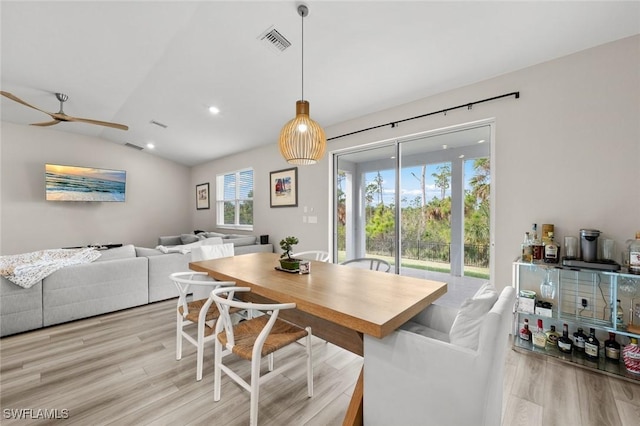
<point x="120" y="369"/>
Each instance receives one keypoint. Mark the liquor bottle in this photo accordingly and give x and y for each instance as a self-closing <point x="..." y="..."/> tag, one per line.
<point x="564" y="342"/>
<point x="525" y="333"/>
<point x="619" y="314"/>
<point x="631" y="356"/>
<point x="578" y="340"/>
<point x="592" y="345"/>
<point x="551" y="250"/>
<point x="634" y="254"/>
<point x="527" y="249"/>
<point x="538" y="248"/>
<point x="552" y="336"/>
<point x="539" y="338"/>
<point x="612" y="348"/>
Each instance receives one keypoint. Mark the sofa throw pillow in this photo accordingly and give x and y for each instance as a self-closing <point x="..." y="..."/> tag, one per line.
<point x="465" y="330"/>
<point x="191" y="238"/>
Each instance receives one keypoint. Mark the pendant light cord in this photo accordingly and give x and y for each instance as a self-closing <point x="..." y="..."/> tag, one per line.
<point x="302" y="16"/>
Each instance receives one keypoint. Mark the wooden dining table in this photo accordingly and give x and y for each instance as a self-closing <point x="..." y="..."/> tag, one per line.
<point x="340" y="303"/>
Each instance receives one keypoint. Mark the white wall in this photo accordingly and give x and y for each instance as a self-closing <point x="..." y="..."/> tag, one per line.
<point x="567" y="152"/>
<point x="158" y="201"/>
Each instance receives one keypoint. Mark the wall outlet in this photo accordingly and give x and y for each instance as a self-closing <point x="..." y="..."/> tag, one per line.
<point x="583" y="304"/>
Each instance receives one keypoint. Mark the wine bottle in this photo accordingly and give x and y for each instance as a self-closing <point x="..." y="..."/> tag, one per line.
<point x="564" y="342"/>
<point x="592" y="346"/>
<point x="612" y="348"/>
<point x="527" y="248"/>
<point x="634" y="254"/>
<point x="578" y="340"/>
<point x="551" y="250"/>
<point x="619" y="314"/>
<point x="552" y="336"/>
<point x="538" y="247"/>
<point x="525" y="333"/>
<point x="539" y="338"/>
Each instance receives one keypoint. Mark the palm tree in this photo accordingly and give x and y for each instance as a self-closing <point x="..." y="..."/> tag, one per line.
<point x="480" y="183"/>
<point x="442" y="178"/>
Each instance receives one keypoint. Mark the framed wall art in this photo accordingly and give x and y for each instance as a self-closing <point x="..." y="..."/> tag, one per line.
<point x="283" y="188"/>
<point x="202" y="196"/>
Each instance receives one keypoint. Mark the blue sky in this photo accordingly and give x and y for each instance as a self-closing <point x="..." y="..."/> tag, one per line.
<point x="411" y="185"/>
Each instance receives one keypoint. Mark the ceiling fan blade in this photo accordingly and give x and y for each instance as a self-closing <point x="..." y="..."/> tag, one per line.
<point x="98" y="122"/>
<point x="47" y="123"/>
<point x="20" y="101"/>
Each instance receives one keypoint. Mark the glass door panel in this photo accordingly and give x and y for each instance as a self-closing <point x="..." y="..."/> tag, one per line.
<point x="477" y="233"/>
<point x="421" y="203"/>
<point x="365" y="204"/>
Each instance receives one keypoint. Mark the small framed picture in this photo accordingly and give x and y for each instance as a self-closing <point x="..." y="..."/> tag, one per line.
<point x="283" y="188"/>
<point x="202" y="196"/>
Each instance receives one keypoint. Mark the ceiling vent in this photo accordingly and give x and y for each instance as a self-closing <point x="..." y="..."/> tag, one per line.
<point x="274" y="40"/>
<point x="130" y="145"/>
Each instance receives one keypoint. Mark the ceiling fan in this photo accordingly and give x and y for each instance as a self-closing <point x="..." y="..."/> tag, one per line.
<point x="60" y="115"/>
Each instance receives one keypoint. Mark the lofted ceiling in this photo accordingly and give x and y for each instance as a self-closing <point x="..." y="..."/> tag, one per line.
<point x="136" y="62"/>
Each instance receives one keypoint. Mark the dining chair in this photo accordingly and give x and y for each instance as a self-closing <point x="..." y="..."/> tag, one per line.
<point x="413" y="375"/>
<point x="371" y="263"/>
<point x="253" y="339"/>
<point x="192" y="312"/>
<point x="319" y="255"/>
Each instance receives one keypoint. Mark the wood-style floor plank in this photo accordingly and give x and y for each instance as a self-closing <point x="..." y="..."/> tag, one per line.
<point x="560" y="408"/>
<point x="120" y="369"/>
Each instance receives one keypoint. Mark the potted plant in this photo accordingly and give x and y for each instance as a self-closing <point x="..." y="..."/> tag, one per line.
<point x="286" y="261"/>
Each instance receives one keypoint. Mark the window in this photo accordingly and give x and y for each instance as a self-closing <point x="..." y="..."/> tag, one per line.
<point x="234" y="199"/>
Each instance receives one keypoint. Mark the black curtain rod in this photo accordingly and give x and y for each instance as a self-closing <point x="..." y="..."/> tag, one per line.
<point x="395" y="123"/>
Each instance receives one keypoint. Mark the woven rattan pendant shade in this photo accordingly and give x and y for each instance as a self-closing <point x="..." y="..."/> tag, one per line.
<point x="302" y="140"/>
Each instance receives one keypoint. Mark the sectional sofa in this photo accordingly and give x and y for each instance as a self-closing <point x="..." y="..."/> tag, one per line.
<point x="121" y="278"/>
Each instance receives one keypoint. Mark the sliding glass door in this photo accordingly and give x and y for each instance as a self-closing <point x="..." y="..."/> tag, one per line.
<point x="421" y="203"/>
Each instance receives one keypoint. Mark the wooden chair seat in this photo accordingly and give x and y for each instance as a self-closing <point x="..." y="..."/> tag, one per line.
<point x="246" y="333"/>
<point x="252" y="339"/>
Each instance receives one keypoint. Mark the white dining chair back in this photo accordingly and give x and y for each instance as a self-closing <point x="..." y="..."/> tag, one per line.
<point x="252" y="339"/>
<point x="319" y="255"/>
<point x="371" y="263"/>
<point x="191" y="311"/>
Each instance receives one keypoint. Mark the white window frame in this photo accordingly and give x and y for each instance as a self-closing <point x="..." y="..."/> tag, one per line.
<point x="220" y="200"/>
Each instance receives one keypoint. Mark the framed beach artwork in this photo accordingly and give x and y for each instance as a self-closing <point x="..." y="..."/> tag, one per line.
<point x="283" y="188"/>
<point x="202" y="196"/>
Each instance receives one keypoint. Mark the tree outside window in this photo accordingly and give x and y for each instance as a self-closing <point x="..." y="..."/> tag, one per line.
<point x="234" y="198"/>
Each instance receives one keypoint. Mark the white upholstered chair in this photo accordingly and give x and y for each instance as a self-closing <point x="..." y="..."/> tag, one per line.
<point x="371" y="263"/>
<point x="319" y="255"/>
<point x="252" y="339"/>
<point x="423" y="374"/>
<point x="192" y="312"/>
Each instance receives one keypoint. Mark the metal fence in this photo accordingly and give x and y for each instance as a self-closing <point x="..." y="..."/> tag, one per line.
<point x="474" y="254"/>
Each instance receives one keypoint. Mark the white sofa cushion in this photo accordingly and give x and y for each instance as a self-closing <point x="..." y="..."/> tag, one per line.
<point x="466" y="327"/>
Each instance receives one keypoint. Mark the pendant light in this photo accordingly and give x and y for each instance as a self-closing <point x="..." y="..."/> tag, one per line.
<point x="302" y="140"/>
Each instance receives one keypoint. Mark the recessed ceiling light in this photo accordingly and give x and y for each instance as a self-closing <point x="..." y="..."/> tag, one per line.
<point x="214" y="110"/>
<point x="150" y="145"/>
<point x="444" y="146"/>
<point x="461" y="156"/>
<point x="481" y="141"/>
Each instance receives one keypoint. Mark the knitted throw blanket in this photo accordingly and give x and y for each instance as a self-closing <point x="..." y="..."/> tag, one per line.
<point x="27" y="269"/>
